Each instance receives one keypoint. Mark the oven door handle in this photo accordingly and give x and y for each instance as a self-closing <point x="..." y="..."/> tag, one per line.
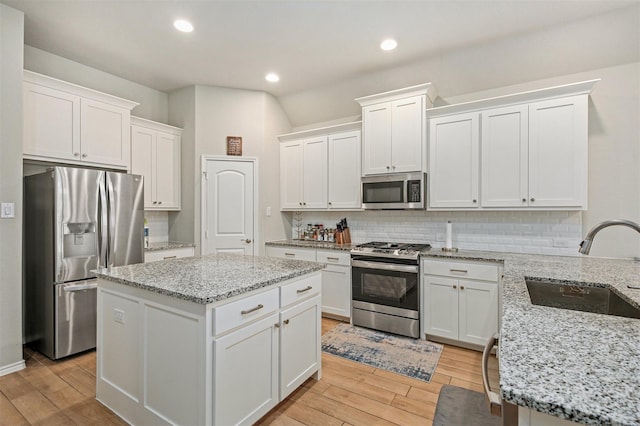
<point x="385" y="266"/>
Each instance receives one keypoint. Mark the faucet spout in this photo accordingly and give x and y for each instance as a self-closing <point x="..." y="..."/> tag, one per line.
<point x="585" y="245"/>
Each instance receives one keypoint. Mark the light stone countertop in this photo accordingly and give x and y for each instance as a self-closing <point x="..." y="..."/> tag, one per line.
<point x="209" y="278"/>
<point x="579" y="366"/>
<point x="311" y="244"/>
<point x="167" y="245"/>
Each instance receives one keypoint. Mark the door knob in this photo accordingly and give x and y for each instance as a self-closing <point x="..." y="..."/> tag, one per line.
<point x="248" y="241"/>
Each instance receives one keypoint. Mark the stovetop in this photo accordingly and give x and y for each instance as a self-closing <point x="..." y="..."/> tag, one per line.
<point x="390" y="250"/>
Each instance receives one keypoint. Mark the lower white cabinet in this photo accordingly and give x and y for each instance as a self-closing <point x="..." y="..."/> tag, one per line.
<point x="336" y="277"/>
<point x="163" y="360"/>
<point x="460" y="301"/>
<point x="156" y="255"/>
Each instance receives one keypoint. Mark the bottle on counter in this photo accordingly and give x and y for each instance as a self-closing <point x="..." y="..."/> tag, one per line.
<point x="146" y="233"/>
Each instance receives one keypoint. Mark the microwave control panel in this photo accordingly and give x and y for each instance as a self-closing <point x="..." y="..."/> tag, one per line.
<point x="413" y="191"/>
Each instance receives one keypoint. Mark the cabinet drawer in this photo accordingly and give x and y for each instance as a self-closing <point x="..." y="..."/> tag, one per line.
<point x="334" y="257"/>
<point x="476" y="271"/>
<point x="300" y="289"/>
<point x="154" y="256"/>
<point x="291" y="253"/>
<point x="245" y="310"/>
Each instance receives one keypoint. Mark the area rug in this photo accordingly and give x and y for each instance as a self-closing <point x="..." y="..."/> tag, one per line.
<point x="461" y="407"/>
<point x="403" y="355"/>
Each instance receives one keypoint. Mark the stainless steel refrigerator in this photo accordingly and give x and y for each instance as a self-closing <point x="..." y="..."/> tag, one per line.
<point x="75" y="220"/>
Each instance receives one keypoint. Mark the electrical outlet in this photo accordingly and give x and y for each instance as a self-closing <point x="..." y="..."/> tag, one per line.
<point x="118" y="315"/>
<point x="268" y="211"/>
<point x="7" y="210"/>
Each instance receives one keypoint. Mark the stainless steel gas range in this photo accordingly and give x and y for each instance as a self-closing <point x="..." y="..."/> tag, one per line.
<point x="385" y="290"/>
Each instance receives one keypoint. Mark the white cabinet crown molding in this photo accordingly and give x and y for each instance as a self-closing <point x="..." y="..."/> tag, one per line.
<point x="579" y="88"/>
<point x="43" y="80"/>
<point x="427" y="89"/>
<point x="338" y="128"/>
<point x="154" y="125"/>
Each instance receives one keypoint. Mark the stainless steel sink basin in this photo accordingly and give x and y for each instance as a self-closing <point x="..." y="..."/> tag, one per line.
<point x="580" y="298"/>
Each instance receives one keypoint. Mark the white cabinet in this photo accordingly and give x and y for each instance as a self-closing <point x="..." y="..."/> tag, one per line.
<point x="155" y="154"/>
<point x="320" y="168"/>
<point x="531" y="149"/>
<point x="535" y="155"/>
<point x="303" y="174"/>
<point x="344" y="171"/>
<point x="246" y="372"/>
<point x="454" y="161"/>
<point x="336" y="277"/>
<point x="70" y="124"/>
<point x="394" y="130"/>
<point x="156" y="255"/>
<point x="460" y="301"/>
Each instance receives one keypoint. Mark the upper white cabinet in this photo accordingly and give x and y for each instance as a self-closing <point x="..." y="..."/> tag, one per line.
<point x="453" y="161"/>
<point x="155" y="154"/>
<point x="527" y="150"/>
<point x="393" y="126"/>
<point x="320" y="169"/>
<point x="71" y="124"/>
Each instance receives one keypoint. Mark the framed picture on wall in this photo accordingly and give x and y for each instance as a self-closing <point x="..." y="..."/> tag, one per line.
<point x="234" y="145"/>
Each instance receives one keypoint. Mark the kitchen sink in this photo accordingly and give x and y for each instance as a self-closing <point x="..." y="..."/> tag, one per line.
<point x="580" y="298"/>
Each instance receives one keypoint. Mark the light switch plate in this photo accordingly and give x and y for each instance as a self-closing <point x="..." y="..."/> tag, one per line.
<point x="7" y="210"/>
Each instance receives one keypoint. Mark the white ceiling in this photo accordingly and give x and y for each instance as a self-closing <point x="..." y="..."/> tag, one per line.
<point x="309" y="43"/>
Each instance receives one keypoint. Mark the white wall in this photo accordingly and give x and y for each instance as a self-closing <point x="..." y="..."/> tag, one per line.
<point x="153" y="103"/>
<point x="11" y="59"/>
<point x="214" y="113"/>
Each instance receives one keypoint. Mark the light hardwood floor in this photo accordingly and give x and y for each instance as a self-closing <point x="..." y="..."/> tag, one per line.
<point x="349" y="393"/>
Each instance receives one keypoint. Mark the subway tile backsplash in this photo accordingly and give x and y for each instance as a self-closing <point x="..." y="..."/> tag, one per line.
<point x="548" y="232"/>
<point x="158" y="226"/>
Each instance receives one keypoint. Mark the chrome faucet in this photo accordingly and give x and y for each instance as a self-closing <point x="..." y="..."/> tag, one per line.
<point x="585" y="245"/>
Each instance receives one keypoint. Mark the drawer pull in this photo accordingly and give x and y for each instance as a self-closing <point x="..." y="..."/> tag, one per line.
<point x="335" y="259"/>
<point x="304" y="289"/>
<point x="462" y="271"/>
<point x="169" y="257"/>
<point x="286" y="321"/>
<point x="290" y="254"/>
<point x="248" y="311"/>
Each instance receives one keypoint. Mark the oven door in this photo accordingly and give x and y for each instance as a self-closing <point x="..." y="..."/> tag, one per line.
<point x="385" y="283"/>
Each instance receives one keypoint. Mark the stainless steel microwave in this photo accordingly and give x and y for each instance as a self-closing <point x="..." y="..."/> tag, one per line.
<point x="397" y="191"/>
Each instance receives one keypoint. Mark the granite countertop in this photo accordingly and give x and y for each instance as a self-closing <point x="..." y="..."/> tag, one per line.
<point x="209" y="278"/>
<point x="167" y="245"/>
<point x="579" y="366"/>
<point x="311" y="244"/>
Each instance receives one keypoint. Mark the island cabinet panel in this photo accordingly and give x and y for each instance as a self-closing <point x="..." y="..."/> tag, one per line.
<point x="299" y="344"/>
<point x="245" y="310"/>
<point x="245" y="386"/>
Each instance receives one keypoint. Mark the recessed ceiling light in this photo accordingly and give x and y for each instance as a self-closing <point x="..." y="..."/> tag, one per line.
<point x="272" y="77"/>
<point x="388" y="44"/>
<point x="183" y="25"/>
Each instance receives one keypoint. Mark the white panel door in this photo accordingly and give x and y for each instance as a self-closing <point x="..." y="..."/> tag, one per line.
<point x="344" y="171"/>
<point x="376" y="139"/>
<point x="104" y="134"/>
<point x="504" y="150"/>
<point x="229" y="207"/>
<point x="454" y="161"/>
<point x="167" y="176"/>
<point x="315" y="173"/>
<point x="51" y="123"/>
<point x="478" y="307"/>
<point x="558" y="143"/>
<point x="407" y="130"/>
<point x="291" y="174"/>
<point x="142" y="141"/>
<point x="441" y="305"/>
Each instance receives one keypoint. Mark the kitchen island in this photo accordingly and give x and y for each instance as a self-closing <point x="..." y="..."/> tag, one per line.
<point x="217" y="339"/>
<point x="579" y="366"/>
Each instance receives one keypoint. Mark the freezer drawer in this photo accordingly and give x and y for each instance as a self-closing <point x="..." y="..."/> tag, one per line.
<point x="75" y="317"/>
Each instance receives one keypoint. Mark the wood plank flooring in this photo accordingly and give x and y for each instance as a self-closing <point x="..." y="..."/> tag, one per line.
<point x="349" y="393"/>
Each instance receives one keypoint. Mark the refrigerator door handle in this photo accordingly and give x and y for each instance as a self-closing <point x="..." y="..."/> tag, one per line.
<point x="103" y="239"/>
<point x="111" y="215"/>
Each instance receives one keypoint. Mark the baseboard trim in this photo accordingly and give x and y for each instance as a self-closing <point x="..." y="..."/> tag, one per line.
<point x="12" y="368"/>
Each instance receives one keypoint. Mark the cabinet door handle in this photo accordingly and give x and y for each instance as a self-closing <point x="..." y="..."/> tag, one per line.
<point x="388" y="167"/>
<point x="532" y="200"/>
<point x="248" y="311"/>
<point x="524" y="200"/>
<point x="155" y="202"/>
<point x="84" y="155"/>
<point x="333" y="259"/>
<point x="300" y="203"/>
<point x="76" y="154"/>
<point x="290" y="254"/>
<point x="302" y="290"/>
<point x="474" y="201"/>
<point x="461" y="287"/>
<point x="170" y="257"/>
<point x="286" y="321"/>
<point x="276" y="325"/>
<point x="455" y="286"/>
<point x="462" y="271"/>
<point x="159" y="202"/>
